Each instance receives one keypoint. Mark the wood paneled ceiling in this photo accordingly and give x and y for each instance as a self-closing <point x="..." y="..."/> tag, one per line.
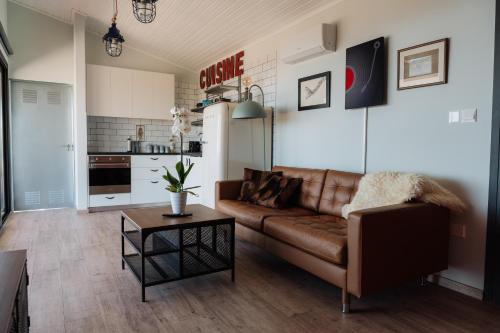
<point x="188" y="33"/>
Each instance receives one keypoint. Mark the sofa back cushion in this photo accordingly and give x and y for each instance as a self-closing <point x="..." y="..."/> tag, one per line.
<point x="309" y="192"/>
<point x="339" y="190"/>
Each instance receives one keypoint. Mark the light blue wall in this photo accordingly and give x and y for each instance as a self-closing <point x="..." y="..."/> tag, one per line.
<point x="411" y="133"/>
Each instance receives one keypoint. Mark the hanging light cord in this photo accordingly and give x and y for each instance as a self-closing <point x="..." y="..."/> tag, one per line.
<point x="115" y="9"/>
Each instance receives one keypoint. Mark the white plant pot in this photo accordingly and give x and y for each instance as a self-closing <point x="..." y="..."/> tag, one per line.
<point x="178" y="202"/>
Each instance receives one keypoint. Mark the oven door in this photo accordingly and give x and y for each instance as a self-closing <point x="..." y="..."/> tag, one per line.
<point x="107" y="180"/>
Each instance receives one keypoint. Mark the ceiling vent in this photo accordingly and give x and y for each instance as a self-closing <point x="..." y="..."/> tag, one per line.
<point x="310" y="43"/>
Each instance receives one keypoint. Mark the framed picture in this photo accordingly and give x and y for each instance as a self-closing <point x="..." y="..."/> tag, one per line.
<point x="140" y="132"/>
<point x="314" y="91"/>
<point x="365" y="74"/>
<point x="423" y="65"/>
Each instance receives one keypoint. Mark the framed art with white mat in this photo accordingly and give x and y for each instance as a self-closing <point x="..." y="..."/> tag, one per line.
<point x="423" y="65"/>
<point x="314" y="92"/>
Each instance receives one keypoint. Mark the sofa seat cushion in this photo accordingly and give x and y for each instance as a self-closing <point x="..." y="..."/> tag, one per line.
<point x="324" y="236"/>
<point x="251" y="215"/>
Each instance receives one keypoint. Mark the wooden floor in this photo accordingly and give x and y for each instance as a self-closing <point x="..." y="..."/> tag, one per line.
<point x="77" y="285"/>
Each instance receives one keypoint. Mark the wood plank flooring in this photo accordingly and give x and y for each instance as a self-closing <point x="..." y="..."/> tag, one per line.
<point x="77" y="285"/>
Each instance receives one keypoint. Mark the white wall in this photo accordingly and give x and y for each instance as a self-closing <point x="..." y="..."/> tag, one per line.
<point x="411" y="133"/>
<point x="134" y="59"/>
<point x="43" y="47"/>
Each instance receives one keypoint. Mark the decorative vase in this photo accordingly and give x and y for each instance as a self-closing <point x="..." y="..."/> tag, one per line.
<point x="178" y="202"/>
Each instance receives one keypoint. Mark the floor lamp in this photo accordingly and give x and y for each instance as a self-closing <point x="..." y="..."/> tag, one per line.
<point x="252" y="110"/>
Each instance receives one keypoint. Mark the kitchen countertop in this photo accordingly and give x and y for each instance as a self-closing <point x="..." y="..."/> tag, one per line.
<point x="129" y="153"/>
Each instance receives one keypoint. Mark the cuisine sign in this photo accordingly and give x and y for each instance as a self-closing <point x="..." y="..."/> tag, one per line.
<point x="223" y="70"/>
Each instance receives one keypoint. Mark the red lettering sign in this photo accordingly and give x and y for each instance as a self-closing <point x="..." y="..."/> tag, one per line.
<point x="223" y="70"/>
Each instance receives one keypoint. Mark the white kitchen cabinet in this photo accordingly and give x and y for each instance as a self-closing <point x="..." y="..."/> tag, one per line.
<point x="194" y="179"/>
<point x="104" y="200"/>
<point x="98" y="90"/>
<point x="121" y="92"/>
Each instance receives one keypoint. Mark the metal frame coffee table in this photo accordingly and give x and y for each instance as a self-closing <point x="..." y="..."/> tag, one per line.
<point x="168" y="249"/>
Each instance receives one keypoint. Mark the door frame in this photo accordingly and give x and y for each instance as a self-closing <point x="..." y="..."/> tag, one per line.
<point x="6" y="136"/>
<point x="492" y="266"/>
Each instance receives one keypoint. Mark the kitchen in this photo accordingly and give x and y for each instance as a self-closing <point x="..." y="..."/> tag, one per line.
<point x="130" y="139"/>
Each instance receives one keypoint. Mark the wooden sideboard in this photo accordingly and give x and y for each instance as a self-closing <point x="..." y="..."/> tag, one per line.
<point x="13" y="292"/>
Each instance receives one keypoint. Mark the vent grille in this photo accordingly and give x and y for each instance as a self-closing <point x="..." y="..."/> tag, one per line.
<point x="54" y="97"/>
<point x="30" y="96"/>
<point x="56" y="197"/>
<point x="32" y="198"/>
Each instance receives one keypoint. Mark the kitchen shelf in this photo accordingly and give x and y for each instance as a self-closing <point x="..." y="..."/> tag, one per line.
<point x="197" y="123"/>
<point x="220" y="89"/>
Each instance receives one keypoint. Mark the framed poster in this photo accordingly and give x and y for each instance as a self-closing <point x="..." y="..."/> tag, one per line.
<point x="423" y="65"/>
<point x="365" y="78"/>
<point x="314" y="92"/>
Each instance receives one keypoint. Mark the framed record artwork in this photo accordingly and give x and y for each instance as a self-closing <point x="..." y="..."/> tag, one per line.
<point x="423" y="65"/>
<point x="314" y="92"/>
<point x="365" y="76"/>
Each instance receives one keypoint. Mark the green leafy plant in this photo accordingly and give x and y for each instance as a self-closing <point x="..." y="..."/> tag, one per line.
<point x="176" y="185"/>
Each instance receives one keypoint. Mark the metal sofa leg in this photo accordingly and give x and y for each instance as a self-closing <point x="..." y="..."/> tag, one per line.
<point x="346" y="301"/>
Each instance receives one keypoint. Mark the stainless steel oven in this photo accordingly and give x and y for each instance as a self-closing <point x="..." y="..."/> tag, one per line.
<point x="109" y="174"/>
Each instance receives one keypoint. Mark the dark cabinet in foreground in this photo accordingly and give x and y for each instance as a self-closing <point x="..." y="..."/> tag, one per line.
<point x="14" y="316"/>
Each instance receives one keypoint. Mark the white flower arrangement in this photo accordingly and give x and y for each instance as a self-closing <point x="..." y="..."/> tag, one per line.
<point x="181" y="125"/>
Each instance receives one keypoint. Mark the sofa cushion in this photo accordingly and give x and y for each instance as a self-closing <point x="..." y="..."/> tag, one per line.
<point x="339" y="190"/>
<point x="252" y="215"/>
<point x="324" y="236"/>
<point x="276" y="191"/>
<point x="252" y="179"/>
<point x="312" y="185"/>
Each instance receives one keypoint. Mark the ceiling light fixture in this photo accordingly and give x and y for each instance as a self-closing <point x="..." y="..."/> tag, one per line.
<point x="113" y="40"/>
<point x="144" y="10"/>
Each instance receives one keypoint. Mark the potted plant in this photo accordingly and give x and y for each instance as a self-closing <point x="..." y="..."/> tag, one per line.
<point x="178" y="193"/>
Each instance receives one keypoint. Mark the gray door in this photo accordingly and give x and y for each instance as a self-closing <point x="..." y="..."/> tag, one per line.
<point x="42" y="146"/>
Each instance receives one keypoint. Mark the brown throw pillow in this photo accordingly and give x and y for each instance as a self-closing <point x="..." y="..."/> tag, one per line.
<point x="276" y="191"/>
<point x="252" y="180"/>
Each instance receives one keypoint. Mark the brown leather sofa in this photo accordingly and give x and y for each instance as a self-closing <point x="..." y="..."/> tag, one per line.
<point x="372" y="250"/>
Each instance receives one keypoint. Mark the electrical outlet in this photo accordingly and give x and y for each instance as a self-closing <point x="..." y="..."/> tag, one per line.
<point x="469" y="115"/>
<point x="458" y="230"/>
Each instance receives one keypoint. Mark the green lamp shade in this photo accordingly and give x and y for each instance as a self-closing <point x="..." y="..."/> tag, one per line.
<point x="249" y="110"/>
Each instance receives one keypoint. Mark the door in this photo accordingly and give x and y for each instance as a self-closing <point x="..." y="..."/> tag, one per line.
<point x="42" y="146"/>
<point x="4" y="144"/>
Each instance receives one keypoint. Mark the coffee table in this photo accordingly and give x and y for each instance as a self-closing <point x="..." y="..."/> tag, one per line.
<point x="169" y="249"/>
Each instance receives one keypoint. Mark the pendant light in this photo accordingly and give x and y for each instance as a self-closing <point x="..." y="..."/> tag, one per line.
<point x="144" y="10"/>
<point x="113" y="40"/>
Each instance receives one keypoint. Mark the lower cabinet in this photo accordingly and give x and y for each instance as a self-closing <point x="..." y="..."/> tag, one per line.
<point x="149" y="191"/>
<point x="103" y="200"/>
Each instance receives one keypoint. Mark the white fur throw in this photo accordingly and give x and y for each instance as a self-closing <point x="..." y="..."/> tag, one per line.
<point x="391" y="188"/>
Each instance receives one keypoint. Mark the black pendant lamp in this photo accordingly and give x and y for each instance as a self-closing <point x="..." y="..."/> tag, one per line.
<point x="113" y="39"/>
<point x="144" y="10"/>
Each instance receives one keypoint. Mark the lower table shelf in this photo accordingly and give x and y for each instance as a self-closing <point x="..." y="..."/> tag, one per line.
<point x="166" y="267"/>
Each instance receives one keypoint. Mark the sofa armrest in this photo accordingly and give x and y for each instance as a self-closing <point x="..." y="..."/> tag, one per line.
<point x="227" y="190"/>
<point x="389" y="245"/>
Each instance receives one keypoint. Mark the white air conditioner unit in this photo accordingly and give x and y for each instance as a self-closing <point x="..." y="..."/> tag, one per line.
<point x="311" y="43"/>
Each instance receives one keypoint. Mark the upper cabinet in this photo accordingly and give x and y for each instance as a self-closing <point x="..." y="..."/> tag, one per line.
<point x="120" y="92"/>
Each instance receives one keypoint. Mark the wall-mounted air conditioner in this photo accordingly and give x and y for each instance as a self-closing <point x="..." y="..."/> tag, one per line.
<point x="310" y="43"/>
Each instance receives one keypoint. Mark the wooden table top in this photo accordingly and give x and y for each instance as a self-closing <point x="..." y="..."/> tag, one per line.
<point x="151" y="218"/>
<point x="11" y="268"/>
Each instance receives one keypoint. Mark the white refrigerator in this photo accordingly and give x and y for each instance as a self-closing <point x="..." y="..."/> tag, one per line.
<point x="230" y="145"/>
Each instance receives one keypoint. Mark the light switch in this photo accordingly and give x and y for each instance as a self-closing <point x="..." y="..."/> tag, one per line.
<point x="454" y="117"/>
<point x="469" y="115"/>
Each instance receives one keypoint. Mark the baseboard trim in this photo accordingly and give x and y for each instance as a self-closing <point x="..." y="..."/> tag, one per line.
<point x="456" y="286"/>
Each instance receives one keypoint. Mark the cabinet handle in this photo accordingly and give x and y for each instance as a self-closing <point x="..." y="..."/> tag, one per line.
<point x="154" y="158"/>
<point x="154" y="182"/>
<point x="110" y="198"/>
<point x="154" y="170"/>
